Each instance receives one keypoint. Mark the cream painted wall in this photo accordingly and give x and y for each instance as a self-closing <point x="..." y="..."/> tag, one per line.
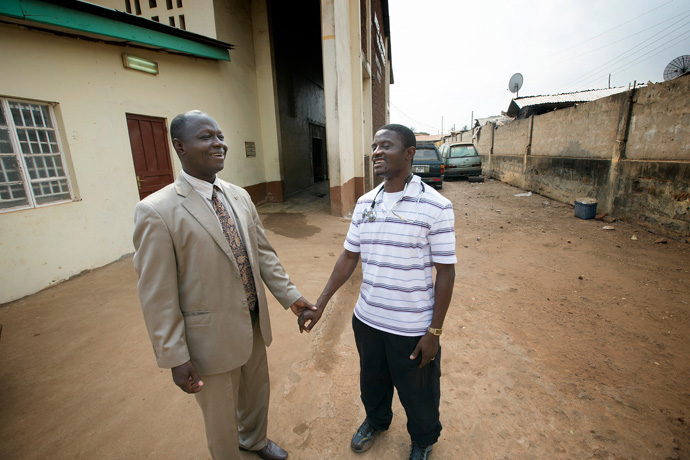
<point x="238" y="94"/>
<point x="340" y="104"/>
<point x="357" y="90"/>
<point x="267" y="93"/>
<point x="198" y="14"/>
<point x="93" y="91"/>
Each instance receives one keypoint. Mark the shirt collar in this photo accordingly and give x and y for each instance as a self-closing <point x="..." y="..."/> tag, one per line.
<point x="203" y="188"/>
<point x="413" y="188"/>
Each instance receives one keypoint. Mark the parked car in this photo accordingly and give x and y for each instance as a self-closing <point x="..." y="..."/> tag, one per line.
<point x="428" y="165"/>
<point x="461" y="160"/>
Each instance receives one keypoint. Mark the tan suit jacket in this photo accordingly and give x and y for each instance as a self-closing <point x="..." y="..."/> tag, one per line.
<point x="189" y="284"/>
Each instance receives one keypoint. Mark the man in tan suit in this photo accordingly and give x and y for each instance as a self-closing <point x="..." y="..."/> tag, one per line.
<point x="201" y="256"/>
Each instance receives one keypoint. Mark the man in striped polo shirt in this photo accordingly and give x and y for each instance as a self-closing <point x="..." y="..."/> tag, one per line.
<point x="402" y="230"/>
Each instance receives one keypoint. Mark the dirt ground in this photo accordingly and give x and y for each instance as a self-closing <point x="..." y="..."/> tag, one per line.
<point x="563" y="341"/>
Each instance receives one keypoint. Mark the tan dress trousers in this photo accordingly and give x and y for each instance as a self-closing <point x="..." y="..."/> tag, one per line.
<point x="235" y="404"/>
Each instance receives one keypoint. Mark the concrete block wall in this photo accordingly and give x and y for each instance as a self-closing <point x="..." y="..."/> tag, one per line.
<point x="660" y="124"/>
<point x="583" y="131"/>
<point x="512" y="138"/>
<point x="630" y="151"/>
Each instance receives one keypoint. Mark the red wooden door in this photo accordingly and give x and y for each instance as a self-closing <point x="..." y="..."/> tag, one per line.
<point x="148" y="137"/>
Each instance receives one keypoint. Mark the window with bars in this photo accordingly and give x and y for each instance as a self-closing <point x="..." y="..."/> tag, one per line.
<point x="32" y="166"/>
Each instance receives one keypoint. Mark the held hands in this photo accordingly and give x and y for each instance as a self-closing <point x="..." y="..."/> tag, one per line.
<point x="301" y="305"/>
<point x="428" y="345"/>
<point x="308" y="319"/>
<point x="186" y="377"/>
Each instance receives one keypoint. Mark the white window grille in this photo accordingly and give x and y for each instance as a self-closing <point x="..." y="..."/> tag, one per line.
<point x="32" y="166"/>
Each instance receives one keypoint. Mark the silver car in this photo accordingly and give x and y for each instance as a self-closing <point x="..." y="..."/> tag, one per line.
<point x="461" y="159"/>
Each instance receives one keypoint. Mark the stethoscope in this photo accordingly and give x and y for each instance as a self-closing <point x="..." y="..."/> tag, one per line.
<point x="369" y="215"/>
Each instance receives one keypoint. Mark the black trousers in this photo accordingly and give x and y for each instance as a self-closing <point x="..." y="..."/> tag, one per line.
<point x="384" y="363"/>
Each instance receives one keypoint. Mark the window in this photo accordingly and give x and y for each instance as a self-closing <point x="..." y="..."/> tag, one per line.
<point x="183" y="25"/>
<point x="179" y="3"/>
<point x="461" y="151"/>
<point x="128" y="7"/>
<point x="152" y="3"/>
<point x="425" y="154"/>
<point x="32" y="167"/>
<point x="171" y="20"/>
<point x="168" y="4"/>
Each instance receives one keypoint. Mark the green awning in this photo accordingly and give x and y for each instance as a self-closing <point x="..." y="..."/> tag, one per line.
<point x="87" y="19"/>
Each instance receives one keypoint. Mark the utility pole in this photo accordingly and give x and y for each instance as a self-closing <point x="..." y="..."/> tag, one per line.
<point x="441" y="126"/>
<point x="472" y="120"/>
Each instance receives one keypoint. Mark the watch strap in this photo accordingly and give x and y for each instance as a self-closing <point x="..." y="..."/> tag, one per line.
<point x="436" y="331"/>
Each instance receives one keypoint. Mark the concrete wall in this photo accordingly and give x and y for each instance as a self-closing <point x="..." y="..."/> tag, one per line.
<point x="583" y="131"/>
<point x="512" y="138"/>
<point x="341" y="69"/>
<point x="660" y="125"/>
<point x="92" y="92"/>
<point x="630" y="151"/>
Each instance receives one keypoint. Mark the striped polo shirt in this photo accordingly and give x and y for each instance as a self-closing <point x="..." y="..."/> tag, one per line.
<point x="398" y="249"/>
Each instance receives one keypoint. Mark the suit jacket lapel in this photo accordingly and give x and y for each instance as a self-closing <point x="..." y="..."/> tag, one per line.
<point x="194" y="204"/>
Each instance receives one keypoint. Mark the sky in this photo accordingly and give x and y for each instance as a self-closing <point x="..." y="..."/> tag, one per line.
<point x="453" y="59"/>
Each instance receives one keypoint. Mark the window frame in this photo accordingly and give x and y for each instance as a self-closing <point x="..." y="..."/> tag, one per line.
<point x="21" y="159"/>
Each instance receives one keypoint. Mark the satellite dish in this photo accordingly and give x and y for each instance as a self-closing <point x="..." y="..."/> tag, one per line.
<point x="677" y="67"/>
<point x="515" y="83"/>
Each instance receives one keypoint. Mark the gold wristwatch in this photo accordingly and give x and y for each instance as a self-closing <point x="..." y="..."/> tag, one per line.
<point x="435" y="331"/>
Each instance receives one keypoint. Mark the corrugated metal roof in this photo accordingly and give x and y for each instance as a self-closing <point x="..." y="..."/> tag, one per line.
<point x="579" y="96"/>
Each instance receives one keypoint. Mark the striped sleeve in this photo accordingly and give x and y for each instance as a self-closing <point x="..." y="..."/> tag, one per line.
<point x="352" y="243"/>
<point x="442" y="237"/>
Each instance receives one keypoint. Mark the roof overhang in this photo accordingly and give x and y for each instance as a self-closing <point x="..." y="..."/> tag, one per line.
<point x="83" y="19"/>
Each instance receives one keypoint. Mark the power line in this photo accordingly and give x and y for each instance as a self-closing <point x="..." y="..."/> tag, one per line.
<point x="413" y="119"/>
<point x="628" y="53"/>
<point x="686" y="13"/>
<point x="609" y="30"/>
<point x="640" y="58"/>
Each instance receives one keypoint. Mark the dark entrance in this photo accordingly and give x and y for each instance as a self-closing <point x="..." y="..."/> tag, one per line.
<point x="319" y="159"/>
<point x="296" y="39"/>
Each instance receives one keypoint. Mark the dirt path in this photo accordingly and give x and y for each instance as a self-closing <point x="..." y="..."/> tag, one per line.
<point x="563" y="341"/>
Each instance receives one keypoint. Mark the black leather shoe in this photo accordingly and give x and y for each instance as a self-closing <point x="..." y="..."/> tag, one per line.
<point x="271" y="451"/>
<point x="418" y="452"/>
<point x="363" y="439"/>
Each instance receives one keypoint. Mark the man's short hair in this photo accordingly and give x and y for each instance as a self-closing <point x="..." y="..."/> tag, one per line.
<point x="405" y="134"/>
<point x="179" y="124"/>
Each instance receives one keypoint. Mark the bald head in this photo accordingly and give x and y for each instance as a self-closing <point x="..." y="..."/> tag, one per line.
<point x="178" y="126"/>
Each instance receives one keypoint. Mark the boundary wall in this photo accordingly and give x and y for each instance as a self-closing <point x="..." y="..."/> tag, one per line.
<point x="630" y="151"/>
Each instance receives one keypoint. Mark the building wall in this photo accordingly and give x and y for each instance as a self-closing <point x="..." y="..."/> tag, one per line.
<point x="630" y="151"/>
<point x="379" y="56"/>
<point x="198" y="14"/>
<point x="341" y="65"/>
<point x="92" y="93"/>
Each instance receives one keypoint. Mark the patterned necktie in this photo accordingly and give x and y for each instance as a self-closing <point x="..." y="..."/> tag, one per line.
<point x="238" y="250"/>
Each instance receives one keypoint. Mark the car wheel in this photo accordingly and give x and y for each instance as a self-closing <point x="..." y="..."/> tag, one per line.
<point x="439" y="186"/>
<point x="476" y="179"/>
